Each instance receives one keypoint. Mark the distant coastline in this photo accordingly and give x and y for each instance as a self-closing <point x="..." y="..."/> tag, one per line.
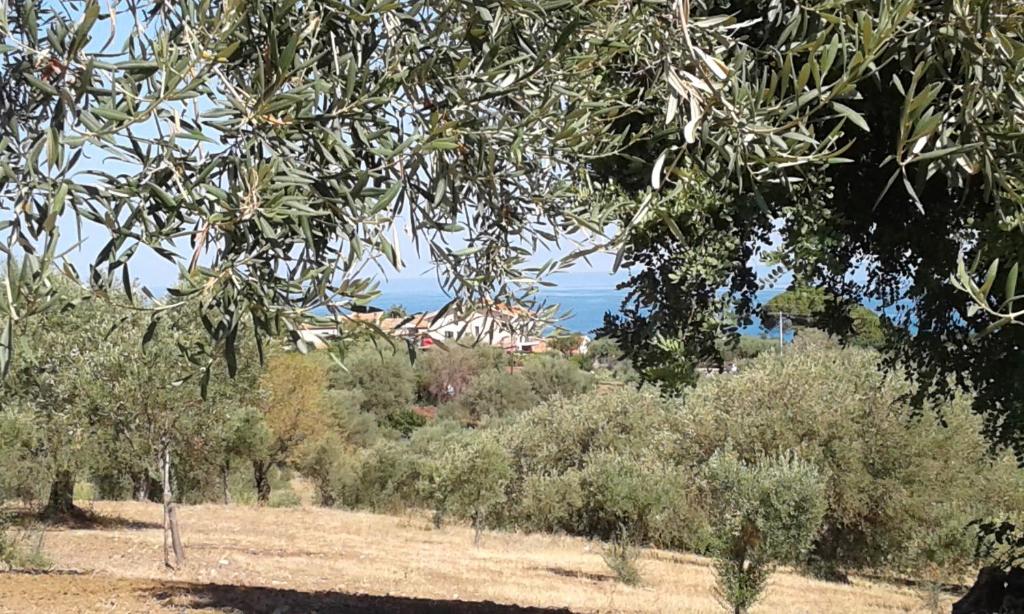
<point x="583" y="298"/>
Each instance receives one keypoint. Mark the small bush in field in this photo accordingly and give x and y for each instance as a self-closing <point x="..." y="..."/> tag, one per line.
<point x="20" y="548"/>
<point x="551" y="502"/>
<point x="890" y="468"/>
<point x="382" y="478"/>
<point x="621" y="555"/>
<point x="762" y="515"/>
<point x="22" y="476"/>
<point x="284" y="498"/>
<point x="468" y="479"/>
<point x="443" y="375"/>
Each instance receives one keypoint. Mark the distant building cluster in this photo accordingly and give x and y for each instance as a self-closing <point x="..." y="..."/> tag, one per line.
<point x="513" y="329"/>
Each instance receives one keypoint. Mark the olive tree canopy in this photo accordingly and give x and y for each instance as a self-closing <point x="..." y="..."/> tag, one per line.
<point x="275" y="151"/>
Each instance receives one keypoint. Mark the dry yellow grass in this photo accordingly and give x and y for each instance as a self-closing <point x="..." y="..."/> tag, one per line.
<point x="329" y="555"/>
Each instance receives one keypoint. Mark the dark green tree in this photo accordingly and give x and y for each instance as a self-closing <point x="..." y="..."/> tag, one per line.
<point x="812" y="308"/>
<point x="867" y="147"/>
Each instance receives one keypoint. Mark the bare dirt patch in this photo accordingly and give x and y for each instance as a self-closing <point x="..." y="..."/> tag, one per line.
<point x="309" y="559"/>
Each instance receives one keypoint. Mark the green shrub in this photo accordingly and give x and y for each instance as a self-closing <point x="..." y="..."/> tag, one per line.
<point x="383" y="376"/>
<point x="21" y="548"/>
<point x="889" y="469"/>
<point x="621" y="555"/>
<point x="761" y="514"/>
<point x="598" y="462"/>
<point x="284" y="498"/>
<point x="467" y="479"/>
<point x="22" y="475"/>
<point x="746" y="348"/>
<point x="604" y="350"/>
<point x="443" y="375"/>
<point x="321" y="461"/>
<point x="551" y="376"/>
<point x="491" y="394"/>
<point x="347" y="420"/>
<point x="404" y="421"/>
<point x="382" y="478"/>
<point x="648" y="499"/>
<point x="555" y="437"/>
<point x="550" y="502"/>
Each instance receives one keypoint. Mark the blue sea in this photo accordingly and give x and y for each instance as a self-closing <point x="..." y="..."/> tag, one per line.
<point x="583" y="298"/>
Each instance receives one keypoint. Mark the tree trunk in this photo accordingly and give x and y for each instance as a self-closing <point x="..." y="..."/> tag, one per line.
<point x="170" y="517"/>
<point x="260" y="473"/>
<point x="478" y="527"/>
<point x="62" y="492"/>
<point x="225" y="471"/>
<point x="141" y="487"/>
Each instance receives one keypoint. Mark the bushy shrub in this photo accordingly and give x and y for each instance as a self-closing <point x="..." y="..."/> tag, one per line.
<point x="549" y="502"/>
<point x="347" y="420"/>
<point x="746" y="347"/>
<point x="443" y="374"/>
<point x="22" y="476"/>
<point x="621" y="555"/>
<point x="555" y="437"/>
<point x="467" y="479"/>
<point x="762" y="514"/>
<point x="491" y="394"/>
<point x="284" y="498"/>
<point x="382" y="478"/>
<point x="604" y="351"/>
<point x="20" y="547"/>
<point x="888" y="467"/>
<point x="322" y="461"/>
<point x="599" y="462"/>
<point x="404" y="421"/>
<point x="382" y="374"/>
<point x="646" y="498"/>
<point x="551" y="376"/>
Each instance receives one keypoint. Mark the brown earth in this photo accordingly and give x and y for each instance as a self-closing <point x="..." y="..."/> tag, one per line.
<point x="308" y="559"/>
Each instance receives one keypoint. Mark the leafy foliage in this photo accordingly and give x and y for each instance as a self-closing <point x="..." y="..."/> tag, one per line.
<point x="550" y="376"/>
<point x="224" y="121"/>
<point x="876" y="142"/>
<point x="762" y="515"/>
<point x="565" y="344"/>
<point x="443" y="375"/>
<point x="468" y="479"/>
<point x="381" y="374"/>
<point x="813" y="307"/>
<point x="492" y="394"/>
<point x="840" y="413"/>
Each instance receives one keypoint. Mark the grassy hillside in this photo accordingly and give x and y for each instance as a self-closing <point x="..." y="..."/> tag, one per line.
<point x="313" y="559"/>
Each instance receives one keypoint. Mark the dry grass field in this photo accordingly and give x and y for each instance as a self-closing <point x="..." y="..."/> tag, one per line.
<point x="308" y="559"/>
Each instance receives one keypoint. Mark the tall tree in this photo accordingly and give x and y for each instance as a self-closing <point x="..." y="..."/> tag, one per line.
<point x="54" y="379"/>
<point x="866" y="146"/>
<point x="291" y="411"/>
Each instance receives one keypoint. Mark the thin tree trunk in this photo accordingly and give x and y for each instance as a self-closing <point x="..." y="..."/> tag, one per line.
<point x="62" y="492"/>
<point x="478" y="527"/>
<point x="142" y="487"/>
<point x="225" y="471"/>
<point x="260" y="474"/>
<point x="170" y="517"/>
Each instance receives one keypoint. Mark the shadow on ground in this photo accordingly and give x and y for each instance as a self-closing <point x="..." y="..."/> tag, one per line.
<point x="81" y="518"/>
<point x="571" y="573"/>
<point x="84" y="519"/>
<point x="263" y="600"/>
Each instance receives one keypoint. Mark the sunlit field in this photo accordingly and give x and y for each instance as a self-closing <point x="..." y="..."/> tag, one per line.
<point x="309" y="559"/>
